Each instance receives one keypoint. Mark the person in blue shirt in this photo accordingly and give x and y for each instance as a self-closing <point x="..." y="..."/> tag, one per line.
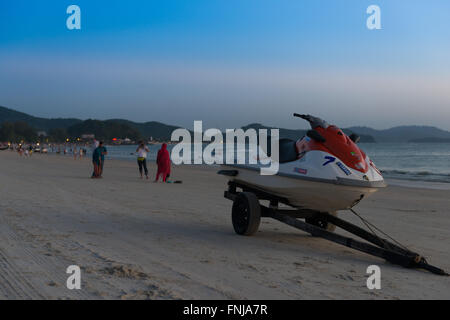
<point x="98" y="160"/>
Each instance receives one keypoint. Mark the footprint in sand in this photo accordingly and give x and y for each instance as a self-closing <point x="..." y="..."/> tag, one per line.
<point x="125" y="271"/>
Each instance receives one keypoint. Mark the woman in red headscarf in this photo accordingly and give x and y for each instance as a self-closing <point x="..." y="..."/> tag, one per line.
<point x="163" y="161"/>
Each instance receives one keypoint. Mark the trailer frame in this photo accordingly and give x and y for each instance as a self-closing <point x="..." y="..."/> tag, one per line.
<point x="375" y="245"/>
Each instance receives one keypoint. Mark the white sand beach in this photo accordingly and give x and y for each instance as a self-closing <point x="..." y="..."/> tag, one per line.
<point x="135" y="239"/>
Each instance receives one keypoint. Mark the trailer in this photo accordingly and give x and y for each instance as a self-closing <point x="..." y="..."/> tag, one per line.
<point x="247" y="212"/>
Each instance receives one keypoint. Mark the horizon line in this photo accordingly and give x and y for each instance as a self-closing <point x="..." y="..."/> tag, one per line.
<point x="250" y="123"/>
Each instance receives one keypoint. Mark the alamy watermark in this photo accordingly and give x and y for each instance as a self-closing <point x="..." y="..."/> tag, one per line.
<point x="374" y="280"/>
<point x="374" y="20"/>
<point x="74" y="280"/>
<point x="251" y="147"/>
<point x="73" y="22"/>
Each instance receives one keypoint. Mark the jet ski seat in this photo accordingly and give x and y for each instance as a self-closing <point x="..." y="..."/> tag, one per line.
<point x="288" y="150"/>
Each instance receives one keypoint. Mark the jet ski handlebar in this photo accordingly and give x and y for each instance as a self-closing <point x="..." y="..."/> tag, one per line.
<point x="313" y="121"/>
<point x="303" y="116"/>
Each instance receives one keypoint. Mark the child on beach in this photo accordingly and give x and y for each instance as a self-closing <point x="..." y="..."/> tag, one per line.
<point x="163" y="162"/>
<point x="142" y="158"/>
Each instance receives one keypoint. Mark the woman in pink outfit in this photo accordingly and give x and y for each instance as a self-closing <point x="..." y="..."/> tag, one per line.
<point x="163" y="162"/>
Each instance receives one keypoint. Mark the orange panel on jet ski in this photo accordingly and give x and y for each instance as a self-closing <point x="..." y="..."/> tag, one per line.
<point x="337" y="144"/>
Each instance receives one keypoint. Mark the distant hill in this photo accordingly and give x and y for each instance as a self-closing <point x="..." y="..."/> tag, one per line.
<point x="161" y="131"/>
<point x="296" y="134"/>
<point x="105" y="130"/>
<point x="403" y="133"/>
<point x="430" y="140"/>
<point x="284" y="133"/>
<point x="9" y="115"/>
<point x="157" y="130"/>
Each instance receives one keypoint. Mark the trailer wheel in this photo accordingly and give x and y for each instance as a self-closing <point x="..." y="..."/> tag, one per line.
<point x="246" y="214"/>
<point x="322" y="224"/>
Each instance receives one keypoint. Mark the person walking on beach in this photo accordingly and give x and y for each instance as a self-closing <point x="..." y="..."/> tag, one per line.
<point x="103" y="153"/>
<point x="142" y="158"/>
<point x="27" y="151"/>
<point x="95" y="144"/>
<point x="163" y="162"/>
<point x="98" y="160"/>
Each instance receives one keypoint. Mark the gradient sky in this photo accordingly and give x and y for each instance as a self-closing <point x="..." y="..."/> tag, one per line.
<point x="229" y="62"/>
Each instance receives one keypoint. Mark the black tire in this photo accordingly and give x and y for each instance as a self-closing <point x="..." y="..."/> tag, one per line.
<point x="322" y="224"/>
<point x="246" y="214"/>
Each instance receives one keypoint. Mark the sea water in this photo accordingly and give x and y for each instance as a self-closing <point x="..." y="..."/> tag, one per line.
<point x="428" y="162"/>
<point x="411" y="161"/>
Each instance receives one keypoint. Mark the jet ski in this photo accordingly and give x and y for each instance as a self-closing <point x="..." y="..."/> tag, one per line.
<point x="319" y="174"/>
<point x="323" y="171"/>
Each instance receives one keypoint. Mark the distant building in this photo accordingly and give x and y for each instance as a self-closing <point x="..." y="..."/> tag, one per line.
<point x="42" y="134"/>
<point x="88" y="136"/>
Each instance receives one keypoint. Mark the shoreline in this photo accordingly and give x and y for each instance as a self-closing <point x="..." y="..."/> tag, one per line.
<point x="418" y="184"/>
<point x="406" y="183"/>
<point x="136" y="239"/>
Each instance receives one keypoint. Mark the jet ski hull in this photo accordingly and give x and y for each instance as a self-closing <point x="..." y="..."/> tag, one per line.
<point x="316" y="194"/>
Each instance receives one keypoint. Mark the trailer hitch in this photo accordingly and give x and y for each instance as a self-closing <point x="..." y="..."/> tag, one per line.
<point x="377" y="247"/>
